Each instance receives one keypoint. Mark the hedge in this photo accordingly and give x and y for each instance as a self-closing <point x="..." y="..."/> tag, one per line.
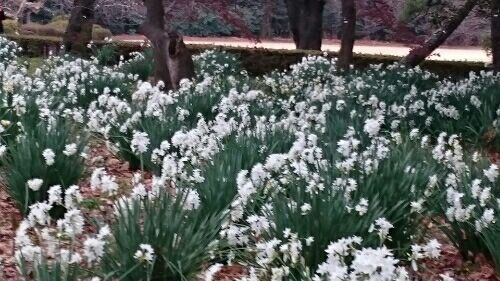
<point x="57" y="29"/>
<point x="256" y="61"/>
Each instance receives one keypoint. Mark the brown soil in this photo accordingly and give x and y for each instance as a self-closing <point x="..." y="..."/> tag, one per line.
<point x="9" y="220"/>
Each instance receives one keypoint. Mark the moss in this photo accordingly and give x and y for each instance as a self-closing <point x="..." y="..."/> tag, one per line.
<point x="32" y="63"/>
<point x="57" y="28"/>
<point x="256" y="61"/>
<point x="98" y="32"/>
<point x="10" y="26"/>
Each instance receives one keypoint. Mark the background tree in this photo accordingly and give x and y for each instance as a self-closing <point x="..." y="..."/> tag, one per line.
<point x="79" y="30"/>
<point x="495" y="34"/>
<point x="172" y="60"/>
<point x="306" y="22"/>
<point x="266" y="28"/>
<point x="420" y="53"/>
<point x="393" y="20"/>
<point x="348" y="33"/>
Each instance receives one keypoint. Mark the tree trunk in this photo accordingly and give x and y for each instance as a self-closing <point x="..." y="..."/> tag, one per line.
<point x="154" y="29"/>
<point x="348" y="33"/>
<point x="266" y="28"/>
<point x="79" y="31"/>
<point x="180" y="61"/>
<point x="420" y="53"/>
<point x="306" y="22"/>
<point x="495" y="34"/>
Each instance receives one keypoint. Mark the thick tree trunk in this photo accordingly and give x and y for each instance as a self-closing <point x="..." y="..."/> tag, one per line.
<point x="172" y="60"/>
<point x="420" y="53"/>
<point x="266" y="28"/>
<point x="79" y="31"/>
<point x="154" y="29"/>
<point x="180" y="61"/>
<point x="495" y="34"/>
<point x="306" y="22"/>
<point x="348" y="33"/>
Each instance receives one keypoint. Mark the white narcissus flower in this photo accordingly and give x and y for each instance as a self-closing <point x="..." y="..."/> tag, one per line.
<point x="446" y="277"/>
<point x="305" y="208"/>
<point x="3" y="149"/>
<point x="101" y="180"/>
<point x="309" y="240"/>
<point x="70" y="149"/>
<point x="382" y="226"/>
<point x="362" y="206"/>
<point x="140" y="142"/>
<point x="93" y="249"/>
<point x="29" y="253"/>
<point x="49" y="156"/>
<point x="372" y="127"/>
<point x="55" y="194"/>
<point x="35" y="184"/>
<point x="432" y="249"/>
<point x="376" y="264"/>
<point x="145" y="253"/>
<point x="39" y="213"/>
<point x="192" y="200"/>
<point x="491" y="173"/>
<point x="72" y="224"/>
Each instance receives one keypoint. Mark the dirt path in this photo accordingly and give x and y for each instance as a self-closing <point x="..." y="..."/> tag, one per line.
<point x="446" y="53"/>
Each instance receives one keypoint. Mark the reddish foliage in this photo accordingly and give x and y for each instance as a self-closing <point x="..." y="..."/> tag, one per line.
<point x="382" y="13"/>
<point x="189" y="9"/>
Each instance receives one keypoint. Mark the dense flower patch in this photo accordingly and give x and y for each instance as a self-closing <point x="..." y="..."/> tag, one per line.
<point x="308" y="174"/>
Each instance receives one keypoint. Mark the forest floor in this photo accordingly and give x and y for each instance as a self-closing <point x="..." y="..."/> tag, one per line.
<point x="445" y="53"/>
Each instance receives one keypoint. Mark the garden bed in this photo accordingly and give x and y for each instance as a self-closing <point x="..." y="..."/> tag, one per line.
<point x="311" y="173"/>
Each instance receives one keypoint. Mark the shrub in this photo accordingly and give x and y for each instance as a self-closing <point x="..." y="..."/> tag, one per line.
<point x="45" y="270"/>
<point x="467" y="200"/>
<point x="11" y="26"/>
<point x="8" y="50"/>
<point x="140" y="64"/>
<point x="288" y="214"/>
<point x="46" y="155"/>
<point x="172" y="112"/>
<point x="218" y="189"/>
<point x="58" y="28"/>
<point x="106" y="54"/>
<point x="181" y="236"/>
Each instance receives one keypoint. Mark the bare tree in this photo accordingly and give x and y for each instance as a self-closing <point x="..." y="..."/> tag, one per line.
<point x="79" y="30"/>
<point x="420" y="53"/>
<point x="306" y="22"/>
<point x="495" y="34"/>
<point x="348" y="33"/>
